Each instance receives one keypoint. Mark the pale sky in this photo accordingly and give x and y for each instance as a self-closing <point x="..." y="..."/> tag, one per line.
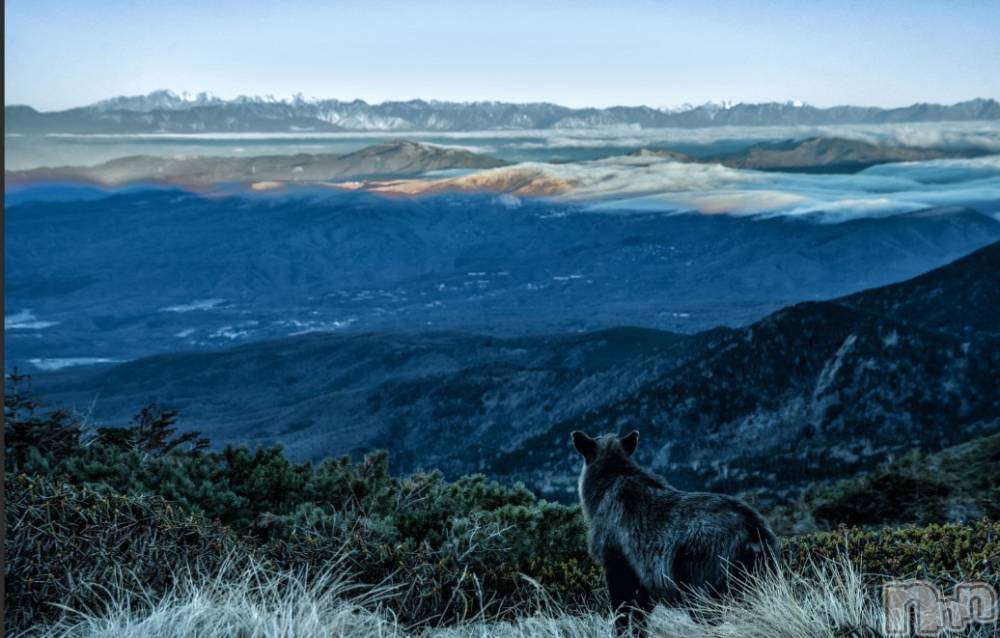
<point x="61" y="54"/>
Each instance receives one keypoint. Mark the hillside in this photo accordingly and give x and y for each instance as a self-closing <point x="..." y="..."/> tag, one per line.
<point x="812" y="392"/>
<point x="959" y="483"/>
<point x="437" y="400"/>
<point x="827" y="155"/>
<point x="961" y="298"/>
<point x="146" y="533"/>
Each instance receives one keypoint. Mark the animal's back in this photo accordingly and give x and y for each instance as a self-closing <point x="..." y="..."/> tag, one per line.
<point x="691" y="541"/>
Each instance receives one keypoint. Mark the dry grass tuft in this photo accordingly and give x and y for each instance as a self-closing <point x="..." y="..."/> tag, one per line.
<point x="834" y="601"/>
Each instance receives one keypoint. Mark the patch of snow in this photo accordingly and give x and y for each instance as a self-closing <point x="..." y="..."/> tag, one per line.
<point x="26" y="320"/>
<point x="233" y="332"/>
<point x="833" y="366"/>
<point x="306" y="327"/>
<point x="199" y="304"/>
<point x="49" y="365"/>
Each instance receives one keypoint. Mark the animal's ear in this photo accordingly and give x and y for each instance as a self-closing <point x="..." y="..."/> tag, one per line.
<point x="585" y="445"/>
<point x="630" y="441"/>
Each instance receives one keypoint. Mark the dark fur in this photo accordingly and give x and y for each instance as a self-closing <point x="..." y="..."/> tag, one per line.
<point x="659" y="544"/>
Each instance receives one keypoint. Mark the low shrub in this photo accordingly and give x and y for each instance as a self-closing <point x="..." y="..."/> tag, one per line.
<point x="944" y="554"/>
<point x="65" y="544"/>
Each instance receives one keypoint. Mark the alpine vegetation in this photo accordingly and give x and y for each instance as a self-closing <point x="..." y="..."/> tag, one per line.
<point x="143" y="531"/>
<point x="661" y="545"/>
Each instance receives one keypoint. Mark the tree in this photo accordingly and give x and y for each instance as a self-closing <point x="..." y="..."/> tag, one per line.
<point x="54" y="434"/>
<point x="153" y="433"/>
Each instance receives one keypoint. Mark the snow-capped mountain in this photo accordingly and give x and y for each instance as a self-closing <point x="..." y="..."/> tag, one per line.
<point x="157" y="100"/>
<point x="168" y="112"/>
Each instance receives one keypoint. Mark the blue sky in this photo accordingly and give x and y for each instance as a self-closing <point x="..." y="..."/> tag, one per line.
<point x="66" y="53"/>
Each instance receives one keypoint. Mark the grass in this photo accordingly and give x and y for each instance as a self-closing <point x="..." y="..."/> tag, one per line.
<point x="256" y="602"/>
<point x="835" y="601"/>
<point x="131" y="566"/>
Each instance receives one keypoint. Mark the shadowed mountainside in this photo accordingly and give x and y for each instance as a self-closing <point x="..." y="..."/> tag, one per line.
<point x="829" y="155"/>
<point x="814" y="391"/>
<point x="433" y="398"/>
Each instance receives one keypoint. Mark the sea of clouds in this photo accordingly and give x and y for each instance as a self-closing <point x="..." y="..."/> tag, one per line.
<point x="603" y="179"/>
<point x="983" y="134"/>
<point x="648" y="184"/>
<point x="515" y="145"/>
<point x="944" y="135"/>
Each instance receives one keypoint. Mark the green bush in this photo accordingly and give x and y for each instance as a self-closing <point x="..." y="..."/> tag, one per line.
<point x="885" y="498"/>
<point x="944" y="554"/>
<point x="960" y="483"/>
<point x="456" y="547"/>
<point x="453" y="549"/>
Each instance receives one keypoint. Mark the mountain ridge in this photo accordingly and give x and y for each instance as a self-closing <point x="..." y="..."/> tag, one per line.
<point x="817" y="390"/>
<point x="828" y="154"/>
<point x="165" y="112"/>
<point x="394" y="158"/>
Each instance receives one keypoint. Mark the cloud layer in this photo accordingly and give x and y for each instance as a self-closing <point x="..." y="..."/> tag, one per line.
<point x="588" y="167"/>
<point x="657" y="184"/>
<point x="886" y="189"/>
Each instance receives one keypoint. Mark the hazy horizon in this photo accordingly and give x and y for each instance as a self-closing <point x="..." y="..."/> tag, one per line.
<point x="61" y="54"/>
<point x="290" y="97"/>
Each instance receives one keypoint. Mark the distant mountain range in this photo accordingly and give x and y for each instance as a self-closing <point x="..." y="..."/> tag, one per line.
<point x="813" y="154"/>
<point x="393" y="159"/>
<point x="167" y="112"/>
<point x="827" y="154"/>
<point x="399" y="159"/>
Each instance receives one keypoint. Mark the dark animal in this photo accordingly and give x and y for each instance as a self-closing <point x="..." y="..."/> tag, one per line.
<point x="659" y="544"/>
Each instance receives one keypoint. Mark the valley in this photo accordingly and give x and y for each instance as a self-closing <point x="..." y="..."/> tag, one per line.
<point x="817" y="391"/>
